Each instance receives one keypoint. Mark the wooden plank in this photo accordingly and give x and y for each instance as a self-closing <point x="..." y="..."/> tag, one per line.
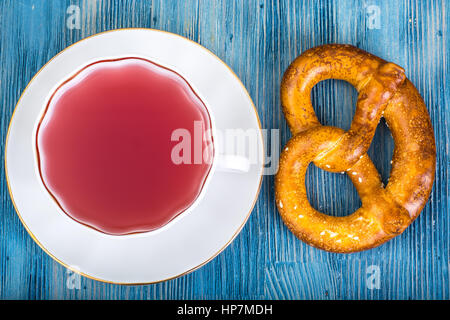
<point x="258" y="40"/>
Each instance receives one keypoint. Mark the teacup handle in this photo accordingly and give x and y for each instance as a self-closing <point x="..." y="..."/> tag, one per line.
<point x="233" y="163"/>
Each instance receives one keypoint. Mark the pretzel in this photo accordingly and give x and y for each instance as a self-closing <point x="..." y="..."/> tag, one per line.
<point x="383" y="90"/>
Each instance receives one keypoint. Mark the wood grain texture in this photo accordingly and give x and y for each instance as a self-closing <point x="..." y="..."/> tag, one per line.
<point x="258" y="40"/>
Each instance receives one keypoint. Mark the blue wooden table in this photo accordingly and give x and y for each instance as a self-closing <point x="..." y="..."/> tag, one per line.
<point x="257" y="39"/>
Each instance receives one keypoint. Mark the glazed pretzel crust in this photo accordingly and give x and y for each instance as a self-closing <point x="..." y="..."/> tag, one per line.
<point x="383" y="91"/>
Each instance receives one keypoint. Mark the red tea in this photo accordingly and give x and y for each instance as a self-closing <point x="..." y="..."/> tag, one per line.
<point x="104" y="146"/>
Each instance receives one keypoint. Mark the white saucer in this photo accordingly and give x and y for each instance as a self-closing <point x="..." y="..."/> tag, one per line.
<point x="186" y="243"/>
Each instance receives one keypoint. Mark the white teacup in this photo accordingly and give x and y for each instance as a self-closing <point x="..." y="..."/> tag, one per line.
<point x="220" y="162"/>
